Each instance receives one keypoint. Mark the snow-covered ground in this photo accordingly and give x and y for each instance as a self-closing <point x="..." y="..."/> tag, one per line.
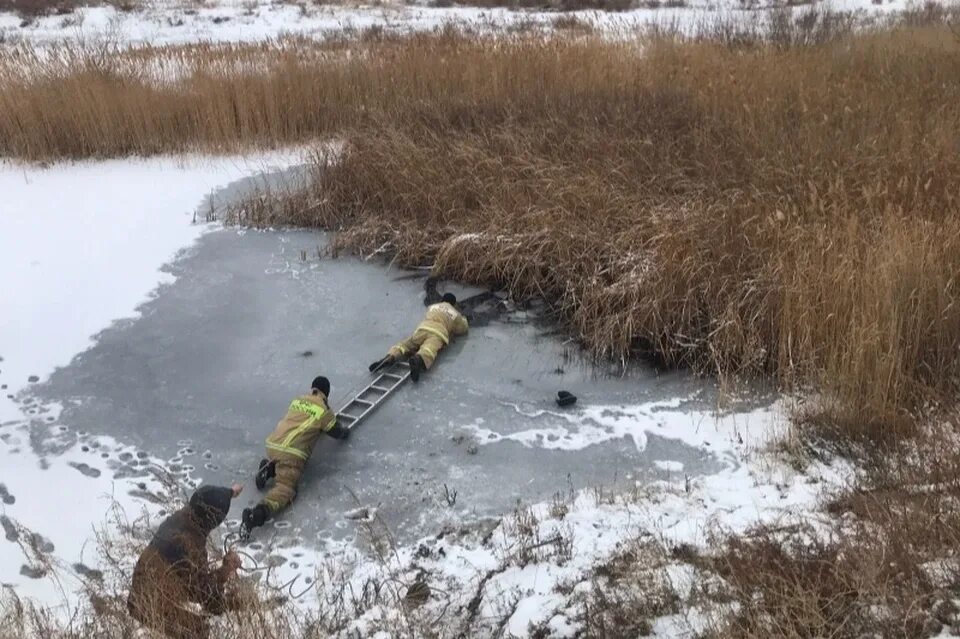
<point x="81" y="246"/>
<point x="171" y="22"/>
<point x="534" y="567"/>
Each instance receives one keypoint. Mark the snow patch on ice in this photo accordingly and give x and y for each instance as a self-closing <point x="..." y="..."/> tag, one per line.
<point x="530" y="568"/>
<point x="667" y="419"/>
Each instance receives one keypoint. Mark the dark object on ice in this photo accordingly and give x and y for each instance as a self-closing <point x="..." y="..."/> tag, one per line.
<point x="33" y="379"/>
<point x="566" y="398"/>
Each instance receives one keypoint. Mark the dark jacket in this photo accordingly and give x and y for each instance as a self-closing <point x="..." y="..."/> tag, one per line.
<point x="173" y="569"/>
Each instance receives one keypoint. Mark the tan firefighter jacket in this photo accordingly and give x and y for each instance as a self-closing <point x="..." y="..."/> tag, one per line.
<point x="307" y="418"/>
<point x="444" y="321"/>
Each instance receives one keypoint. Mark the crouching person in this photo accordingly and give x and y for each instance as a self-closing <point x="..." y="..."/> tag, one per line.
<point x="288" y="449"/>
<point x="173" y="573"/>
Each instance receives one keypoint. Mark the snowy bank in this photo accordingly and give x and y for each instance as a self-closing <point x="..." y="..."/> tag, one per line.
<point x="170" y="23"/>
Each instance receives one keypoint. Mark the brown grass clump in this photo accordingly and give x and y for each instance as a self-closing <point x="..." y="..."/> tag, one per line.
<point x="29" y="9"/>
<point x="885" y="566"/>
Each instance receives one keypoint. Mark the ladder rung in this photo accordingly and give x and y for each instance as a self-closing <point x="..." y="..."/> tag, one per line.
<point x="378" y="390"/>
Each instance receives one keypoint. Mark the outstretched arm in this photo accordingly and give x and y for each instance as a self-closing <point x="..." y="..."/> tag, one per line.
<point x="333" y="427"/>
<point x="461" y="325"/>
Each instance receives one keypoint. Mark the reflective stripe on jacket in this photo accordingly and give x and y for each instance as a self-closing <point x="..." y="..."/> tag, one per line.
<point x="443" y="320"/>
<point x="306" y="419"/>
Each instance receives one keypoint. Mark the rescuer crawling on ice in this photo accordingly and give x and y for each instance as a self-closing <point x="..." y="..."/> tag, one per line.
<point x="288" y="449"/>
<point x="443" y="321"/>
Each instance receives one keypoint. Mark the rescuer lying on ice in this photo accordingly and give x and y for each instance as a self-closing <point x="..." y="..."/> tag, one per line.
<point x="442" y="322"/>
<point x="288" y="449"/>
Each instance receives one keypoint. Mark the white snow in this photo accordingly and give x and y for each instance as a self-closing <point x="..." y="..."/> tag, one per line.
<point x="169" y="22"/>
<point x="81" y="246"/>
<point x="598" y="424"/>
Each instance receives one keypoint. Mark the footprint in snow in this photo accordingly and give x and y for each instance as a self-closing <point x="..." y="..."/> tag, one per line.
<point x="32" y="572"/>
<point x="89" y="573"/>
<point x="275" y="561"/>
<point x="41" y="543"/>
<point x="9" y="529"/>
<point x="86" y="469"/>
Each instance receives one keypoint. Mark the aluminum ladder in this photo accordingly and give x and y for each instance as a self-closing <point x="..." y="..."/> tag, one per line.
<point x="388" y="379"/>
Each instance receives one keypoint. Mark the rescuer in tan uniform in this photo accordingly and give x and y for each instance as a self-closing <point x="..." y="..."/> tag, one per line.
<point x="288" y="449"/>
<point x="442" y="322"/>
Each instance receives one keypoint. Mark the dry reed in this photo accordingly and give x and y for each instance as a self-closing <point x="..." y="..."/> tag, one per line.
<point x="786" y="211"/>
<point x="782" y="206"/>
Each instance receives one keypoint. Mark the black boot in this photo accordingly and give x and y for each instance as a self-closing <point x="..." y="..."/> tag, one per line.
<point x="253" y="518"/>
<point x="416" y="367"/>
<point x="265" y="473"/>
<point x="382" y="363"/>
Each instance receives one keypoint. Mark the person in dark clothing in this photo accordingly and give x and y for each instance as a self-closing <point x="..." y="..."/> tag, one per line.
<point x="173" y="571"/>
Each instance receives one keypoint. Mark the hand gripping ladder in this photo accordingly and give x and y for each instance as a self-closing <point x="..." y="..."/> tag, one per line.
<point x="388" y="379"/>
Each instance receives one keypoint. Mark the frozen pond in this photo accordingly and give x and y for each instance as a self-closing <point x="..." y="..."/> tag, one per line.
<point x="202" y="377"/>
<point x="244" y="321"/>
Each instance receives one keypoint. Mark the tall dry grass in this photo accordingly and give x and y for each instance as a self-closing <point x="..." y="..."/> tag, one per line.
<point x="786" y="211"/>
<point x="784" y="205"/>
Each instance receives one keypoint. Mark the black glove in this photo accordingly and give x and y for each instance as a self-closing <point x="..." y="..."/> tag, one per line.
<point x="253" y="518"/>
<point x="380" y="363"/>
<point x="339" y="432"/>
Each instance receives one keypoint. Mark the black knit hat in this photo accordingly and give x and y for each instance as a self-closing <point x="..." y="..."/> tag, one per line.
<point x="210" y="505"/>
<point x="322" y="384"/>
<point x="449" y="298"/>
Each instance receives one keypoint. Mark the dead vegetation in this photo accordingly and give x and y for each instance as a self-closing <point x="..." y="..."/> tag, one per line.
<point x="782" y="207"/>
<point x="886" y="566"/>
<point x="775" y="210"/>
<point x="31" y="9"/>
